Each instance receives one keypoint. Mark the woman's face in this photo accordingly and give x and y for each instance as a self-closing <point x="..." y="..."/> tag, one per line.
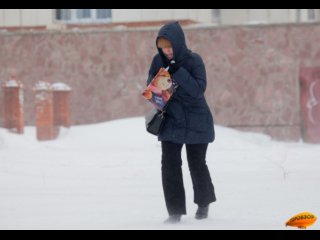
<point x="168" y="52"/>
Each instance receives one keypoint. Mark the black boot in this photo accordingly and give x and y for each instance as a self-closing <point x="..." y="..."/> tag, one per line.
<point x="173" y="219"/>
<point x="202" y="212"/>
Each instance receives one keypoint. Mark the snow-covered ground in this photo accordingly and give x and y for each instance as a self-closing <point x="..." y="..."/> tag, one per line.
<point x="107" y="176"/>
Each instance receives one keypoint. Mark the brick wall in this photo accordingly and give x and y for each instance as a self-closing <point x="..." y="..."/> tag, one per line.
<point x="1" y="109"/>
<point x="253" y="72"/>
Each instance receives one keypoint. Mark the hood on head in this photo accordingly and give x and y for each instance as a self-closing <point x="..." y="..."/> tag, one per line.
<point x="173" y="32"/>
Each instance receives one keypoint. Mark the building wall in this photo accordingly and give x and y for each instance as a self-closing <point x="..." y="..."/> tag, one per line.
<point x="281" y="15"/>
<point x="253" y="72"/>
<point x="234" y="16"/>
<point x="11" y="17"/>
<point x="26" y="17"/>
<point x="1" y="108"/>
<point x="44" y="17"/>
<point x="264" y="16"/>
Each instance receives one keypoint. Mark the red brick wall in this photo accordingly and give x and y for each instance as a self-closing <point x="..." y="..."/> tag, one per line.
<point x="253" y="72"/>
<point x="1" y="109"/>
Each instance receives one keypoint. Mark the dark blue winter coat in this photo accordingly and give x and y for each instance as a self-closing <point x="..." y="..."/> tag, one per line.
<point x="189" y="119"/>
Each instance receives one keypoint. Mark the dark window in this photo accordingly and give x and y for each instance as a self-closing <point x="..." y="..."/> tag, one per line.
<point x="63" y="14"/>
<point x="83" y="13"/>
<point x="103" y="13"/>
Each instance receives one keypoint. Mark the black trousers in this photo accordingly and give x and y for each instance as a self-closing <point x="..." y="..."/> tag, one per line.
<point x="172" y="179"/>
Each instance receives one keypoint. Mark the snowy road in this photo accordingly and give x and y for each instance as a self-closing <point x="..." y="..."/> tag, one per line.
<point x="107" y="176"/>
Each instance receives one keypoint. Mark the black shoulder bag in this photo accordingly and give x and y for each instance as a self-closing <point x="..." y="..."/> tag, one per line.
<point x="154" y="121"/>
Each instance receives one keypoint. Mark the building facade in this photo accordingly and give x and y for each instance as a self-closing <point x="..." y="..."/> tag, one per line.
<point x="48" y="17"/>
<point x="254" y="72"/>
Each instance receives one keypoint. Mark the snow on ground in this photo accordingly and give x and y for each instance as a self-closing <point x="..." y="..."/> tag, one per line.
<point x="107" y="176"/>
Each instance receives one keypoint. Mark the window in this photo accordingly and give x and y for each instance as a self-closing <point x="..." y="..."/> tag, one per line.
<point x="307" y="15"/>
<point x="103" y="13"/>
<point x="216" y="16"/>
<point x="63" y="14"/>
<point x="298" y="15"/>
<point x="311" y="14"/>
<point x="84" y="15"/>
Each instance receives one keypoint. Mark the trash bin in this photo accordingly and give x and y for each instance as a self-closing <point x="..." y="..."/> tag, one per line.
<point x="310" y="103"/>
<point x="44" y="112"/>
<point x="61" y="104"/>
<point x="12" y="106"/>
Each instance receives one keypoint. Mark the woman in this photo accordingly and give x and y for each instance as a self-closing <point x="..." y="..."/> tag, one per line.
<point x="189" y="121"/>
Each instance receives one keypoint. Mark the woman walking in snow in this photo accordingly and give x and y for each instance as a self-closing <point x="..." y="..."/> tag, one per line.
<point x="188" y="121"/>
